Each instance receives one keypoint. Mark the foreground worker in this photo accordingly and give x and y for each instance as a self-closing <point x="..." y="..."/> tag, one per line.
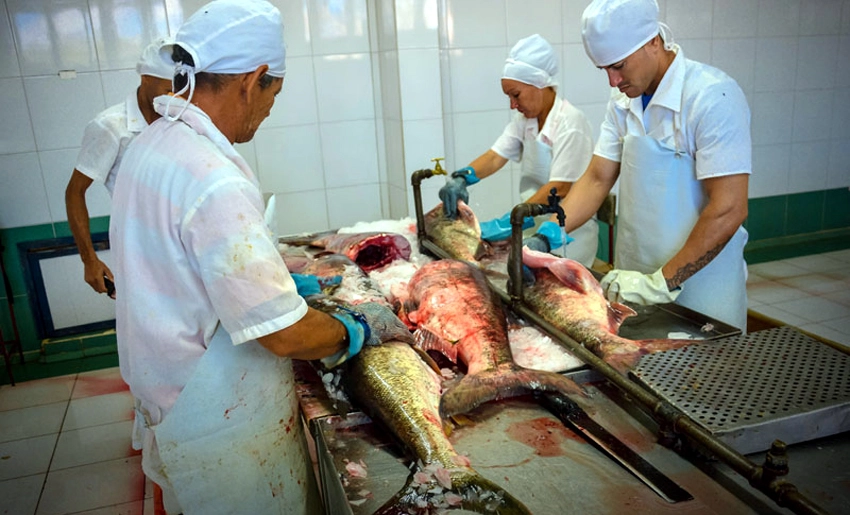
<point x="207" y="313"/>
<point x="551" y="139"/>
<point x="104" y="142"/>
<point x="677" y="135"/>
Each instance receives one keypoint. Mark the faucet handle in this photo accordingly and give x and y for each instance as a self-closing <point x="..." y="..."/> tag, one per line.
<point x="438" y="170"/>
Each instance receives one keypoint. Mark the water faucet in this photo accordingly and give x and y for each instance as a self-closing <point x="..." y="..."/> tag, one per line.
<point x="518" y="214"/>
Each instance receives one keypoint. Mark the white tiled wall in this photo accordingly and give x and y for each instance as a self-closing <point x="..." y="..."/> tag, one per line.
<point x="375" y="89"/>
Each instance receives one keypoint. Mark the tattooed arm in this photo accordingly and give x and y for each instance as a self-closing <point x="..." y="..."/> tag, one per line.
<point x="725" y="211"/>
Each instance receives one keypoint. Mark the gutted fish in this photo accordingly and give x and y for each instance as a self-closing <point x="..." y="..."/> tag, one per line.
<point x="460" y="237"/>
<point x="456" y="313"/>
<point x="355" y="287"/>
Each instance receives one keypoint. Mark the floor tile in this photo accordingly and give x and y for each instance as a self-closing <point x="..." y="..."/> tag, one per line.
<point x="828" y="333"/>
<point x="817" y="263"/>
<point x="36" y="393"/>
<point x="99" y="410"/>
<point x="814" y="309"/>
<point x="20" y="495"/>
<point x="26" y="457"/>
<point x="841" y="297"/>
<point x="130" y="508"/>
<point x="781" y="315"/>
<point x="771" y="292"/>
<point x="841" y="255"/>
<point x="841" y="325"/>
<point x="22" y="423"/>
<point x="99" y="382"/>
<point x="90" y="487"/>
<point x="777" y="270"/>
<point x="816" y="284"/>
<point x="93" y="444"/>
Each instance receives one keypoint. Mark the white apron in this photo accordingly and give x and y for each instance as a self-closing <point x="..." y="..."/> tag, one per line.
<point x="536" y="165"/>
<point x="660" y="202"/>
<point x="234" y="442"/>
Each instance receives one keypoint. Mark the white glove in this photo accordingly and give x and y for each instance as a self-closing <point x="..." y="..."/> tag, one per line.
<point x="637" y="288"/>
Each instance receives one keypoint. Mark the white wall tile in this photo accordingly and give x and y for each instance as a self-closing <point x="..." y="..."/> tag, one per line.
<point x="839" y="164"/>
<point x="344" y="86"/>
<point x="542" y="17"/>
<point x="23" y="200"/>
<point x="123" y="29"/>
<point x="53" y="35"/>
<point x="339" y="26"/>
<point x="353" y="204"/>
<point x="809" y="166"/>
<point x="296" y="103"/>
<point x="349" y="153"/>
<point x="117" y="85"/>
<point x="296" y="28"/>
<point x="580" y="81"/>
<point x="776" y="64"/>
<point x="249" y="153"/>
<point x="595" y="115"/>
<point x="476" y="23"/>
<point x="416" y="23"/>
<point x="737" y="58"/>
<point x="16" y="133"/>
<point x="842" y="72"/>
<point x="397" y="197"/>
<point x="493" y="196"/>
<point x="778" y="18"/>
<point x="816" y="62"/>
<point x="475" y="133"/>
<point x="840" y="114"/>
<point x="382" y="22"/>
<point x="418" y="72"/>
<point x="394" y="145"/>
<point x="845" y="17"/>
<point x="289" y="159"/>
<point x="58" y="123"/>
<point x="772" y="117"/>
<point x="390" y="100"/>
<point x="689" y="19"/>
<point x="8" y="54"/>
<point x="476" y="79"/>
<point x="697" y="49"/>
<point x="820" y="17"/>
<point x="381" y="145"/>
<point x="771" y="167"/>
<point x="571" y="11"/>
<point x="56" y="167"/>
<point x="812" y="111"/>
<point x="735" y="18"/>
<point x="423" y="141"/>
<point x="305" y="211"/>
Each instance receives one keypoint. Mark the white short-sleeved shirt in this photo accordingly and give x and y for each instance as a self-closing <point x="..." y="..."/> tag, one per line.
<point x="696" y="109"/>
<point x="566" y="130"/>
<point x="192" y="252"/>
<point x="106" y="138"/>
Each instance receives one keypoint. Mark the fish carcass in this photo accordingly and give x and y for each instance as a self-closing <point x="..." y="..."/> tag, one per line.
<point x="355" y="287"/>
<point x="456" y="313"/>
<point x="370" y="250"/>
<point x="461" y="237"/>
<point x="566" y="295"/>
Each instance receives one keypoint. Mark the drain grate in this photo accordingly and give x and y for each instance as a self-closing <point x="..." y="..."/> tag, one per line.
<point x="754" y="381"/>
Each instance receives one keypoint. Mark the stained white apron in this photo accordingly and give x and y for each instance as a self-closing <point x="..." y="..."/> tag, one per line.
<point x="660" y="202"/>
<point x="535" y="168"/>
<point x="234" y="442"/>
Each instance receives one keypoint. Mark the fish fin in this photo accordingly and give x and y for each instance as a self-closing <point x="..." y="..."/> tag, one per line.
<point x="616" y="314"/>
<point x="484" y="249"/>
<point x="427" y="359"/>
<point x="427" y="340"/>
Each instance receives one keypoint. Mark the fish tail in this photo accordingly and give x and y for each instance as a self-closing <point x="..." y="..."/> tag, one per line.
<point x="476" y="389"/>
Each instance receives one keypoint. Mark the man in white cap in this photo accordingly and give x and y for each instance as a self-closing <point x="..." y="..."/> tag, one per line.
<point x="207" y="314"/>
<point x="677" y="135"/>
<point x="105" y="140"/>
<point x="550" y="137"/>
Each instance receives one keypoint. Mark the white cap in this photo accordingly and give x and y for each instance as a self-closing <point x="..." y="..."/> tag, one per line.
<point x="152" y="63"/>
<point x="614" y="29"/>
<point x="532" y="61"/>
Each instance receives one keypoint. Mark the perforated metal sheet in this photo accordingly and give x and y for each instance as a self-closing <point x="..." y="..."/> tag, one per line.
<point x="752" y="389"/>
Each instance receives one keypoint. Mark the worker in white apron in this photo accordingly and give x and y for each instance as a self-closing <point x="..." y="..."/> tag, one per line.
<point x="677" y="136"/>
<point x="551" y="139"/>
<point x="207" y="315"/>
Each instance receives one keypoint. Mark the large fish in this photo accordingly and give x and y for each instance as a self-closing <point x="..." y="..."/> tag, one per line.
<point x="355" y="287"/>
<point x="460" y="237"/>
<point x="566" y="295"/>
<point x="457" y="313"/>
<point x="370" y="250"/>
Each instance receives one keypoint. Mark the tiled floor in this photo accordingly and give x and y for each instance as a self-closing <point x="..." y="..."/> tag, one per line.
<point x="65" y="441"/>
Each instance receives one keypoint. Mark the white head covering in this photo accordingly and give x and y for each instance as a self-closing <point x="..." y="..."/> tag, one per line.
<point x="152" y="63"/>
<point x="532" y="61"/>
<point x="614" y="29"/>
<point x="231" y="37"/>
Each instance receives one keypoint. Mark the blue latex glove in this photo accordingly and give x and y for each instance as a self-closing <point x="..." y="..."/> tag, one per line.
<point x="358" y="332"/>
<point x="455" y="190"/>
<point x="306" y="284"/>
<point x="500" y="228"/>
<point x="548" y="236"/>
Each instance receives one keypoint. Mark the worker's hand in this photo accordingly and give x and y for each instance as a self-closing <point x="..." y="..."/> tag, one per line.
<point x="306" y="284"/>
<point x="638" y="288"/>
<point x="500" y="228"/>
<point x="455" y="190"/>
<point x="383" y="324"/>
<point x="95" y="273"/>
<point x="549" y="236"/>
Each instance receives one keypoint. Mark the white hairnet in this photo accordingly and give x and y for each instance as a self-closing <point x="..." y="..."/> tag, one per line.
<point x="614" y="29"/>
<point x="532" y="61"/>
<point x="152" y="63"/>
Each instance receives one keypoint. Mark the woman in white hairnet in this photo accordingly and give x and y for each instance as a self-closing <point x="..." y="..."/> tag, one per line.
<point x="677" y="135"/>
<point x="106" y="138"/>
<point x="549" y="136"/>
<point x="207" y="314"/>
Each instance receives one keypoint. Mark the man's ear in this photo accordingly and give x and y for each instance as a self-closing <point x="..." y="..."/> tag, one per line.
<point x="252" y="80"/>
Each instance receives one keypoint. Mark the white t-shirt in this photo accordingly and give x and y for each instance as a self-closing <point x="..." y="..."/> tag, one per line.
<point x="106" y="138"/>
<point x="566" y="130"/>
<point x="192" y="250"/>
<point x="701" y="105"/>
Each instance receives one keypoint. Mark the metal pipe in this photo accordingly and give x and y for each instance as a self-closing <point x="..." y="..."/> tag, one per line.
<point x="416" y="181"/>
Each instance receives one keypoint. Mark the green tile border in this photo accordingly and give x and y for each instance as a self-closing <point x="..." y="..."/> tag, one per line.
<point x="796" y="245"/>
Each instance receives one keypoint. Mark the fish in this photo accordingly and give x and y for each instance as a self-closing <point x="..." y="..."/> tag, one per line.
<point x="393" y="385"/>
<point x="355" y="287"/>
<point x="455" y="312"/>
<point x="566" y="295"/>
<point x="461" y="237"/>
<point x="370" y="250"/>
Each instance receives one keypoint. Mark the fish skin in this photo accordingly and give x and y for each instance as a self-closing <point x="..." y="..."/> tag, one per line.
<point x="461" y="237"/>
<point x="458" y="314"/>
<point x="377" y="379"/>
<point x="370" y="250"/>
<point x="566" y="295"/>
<point x="356" y="286"/>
